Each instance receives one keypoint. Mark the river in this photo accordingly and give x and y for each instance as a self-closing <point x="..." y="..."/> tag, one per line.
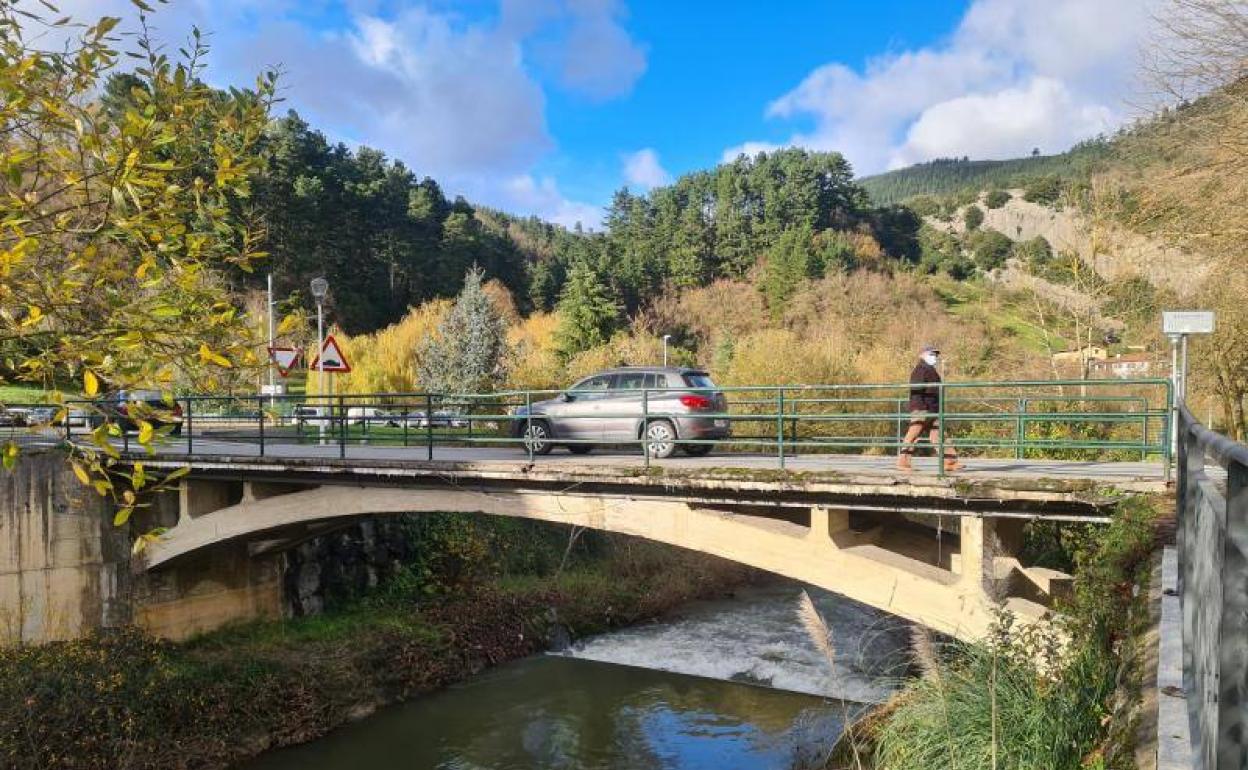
<point x="726" y="684"/>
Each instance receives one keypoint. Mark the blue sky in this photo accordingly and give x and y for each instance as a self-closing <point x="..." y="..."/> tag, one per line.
<point x="547" y="106"/>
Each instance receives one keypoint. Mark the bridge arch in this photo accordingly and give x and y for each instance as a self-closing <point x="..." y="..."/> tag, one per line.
<point x="826" y="552"/>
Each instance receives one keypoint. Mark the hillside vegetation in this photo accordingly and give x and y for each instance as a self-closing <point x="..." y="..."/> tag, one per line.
<point x="946" y="176"/>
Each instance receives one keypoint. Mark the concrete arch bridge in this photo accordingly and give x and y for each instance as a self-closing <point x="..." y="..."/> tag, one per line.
<point x="939" y="552"/>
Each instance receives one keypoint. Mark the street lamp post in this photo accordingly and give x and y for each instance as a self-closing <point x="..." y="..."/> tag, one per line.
<point x="320" y="287"/>
<point x="666" y="337"/>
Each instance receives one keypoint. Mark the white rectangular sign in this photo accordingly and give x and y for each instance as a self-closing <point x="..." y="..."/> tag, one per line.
<point x="1187" y="322"/>
<point x="273" y="390"/>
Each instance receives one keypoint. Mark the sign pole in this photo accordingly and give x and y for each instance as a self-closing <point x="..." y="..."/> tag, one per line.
<point x="272" y="384"/>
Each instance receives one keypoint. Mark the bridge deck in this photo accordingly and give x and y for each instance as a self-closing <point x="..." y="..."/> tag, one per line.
<point x="986" y="486"/>
<point x="1137" y="475"/>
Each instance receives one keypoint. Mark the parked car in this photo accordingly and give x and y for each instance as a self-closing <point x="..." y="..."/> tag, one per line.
<point x="14" y="417"/>
<point x="127" y="407"/>
<point x="440" y="419"/>
<point x="358" y="415"/>
<point x="305" y="414"/>
<point x="607" y="408"/>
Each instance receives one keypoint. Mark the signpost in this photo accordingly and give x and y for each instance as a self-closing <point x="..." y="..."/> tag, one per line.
<point x="1177" y="325"/>
<point x="285" y="359"/>
<point x="331" y="358"/>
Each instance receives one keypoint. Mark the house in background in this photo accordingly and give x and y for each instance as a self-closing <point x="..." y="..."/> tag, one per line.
<point x="1129" y="366"/>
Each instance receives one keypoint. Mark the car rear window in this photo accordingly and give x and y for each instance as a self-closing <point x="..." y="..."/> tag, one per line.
<point x="698" y="380"/>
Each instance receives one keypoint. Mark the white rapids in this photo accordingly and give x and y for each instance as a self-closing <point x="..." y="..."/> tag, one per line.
<point x="755" y="637"/>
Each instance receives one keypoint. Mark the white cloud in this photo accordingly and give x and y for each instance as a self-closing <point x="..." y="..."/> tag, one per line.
<point x="526" y="195"/>
<point x="1009" y="122"/>
<point x="1016" y="74"/>
<point x="598" y="58"/>
<point x="643" y="170"/>
<point x="452" y="97"/>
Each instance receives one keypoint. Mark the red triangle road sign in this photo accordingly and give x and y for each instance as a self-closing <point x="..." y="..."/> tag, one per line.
<point x="334" y="360"/>
<point x="285" y="358"/>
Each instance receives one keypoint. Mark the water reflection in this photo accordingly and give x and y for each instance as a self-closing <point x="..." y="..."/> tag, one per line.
<point x="564" y="713"/>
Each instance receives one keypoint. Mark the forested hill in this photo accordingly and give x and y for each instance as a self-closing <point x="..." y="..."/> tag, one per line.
<point x="945" y="176"/>
<point x="721" y="223"/>
<point x="387" y="239"/>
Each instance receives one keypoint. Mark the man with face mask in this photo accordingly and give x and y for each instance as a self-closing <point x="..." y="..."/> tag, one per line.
<point x="925" y="396"/>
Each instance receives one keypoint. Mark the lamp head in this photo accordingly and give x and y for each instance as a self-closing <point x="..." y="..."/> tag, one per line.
<point x="320" y="287"/>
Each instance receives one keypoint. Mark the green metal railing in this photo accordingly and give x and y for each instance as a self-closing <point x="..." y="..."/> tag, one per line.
<point x="1071" y="419"/>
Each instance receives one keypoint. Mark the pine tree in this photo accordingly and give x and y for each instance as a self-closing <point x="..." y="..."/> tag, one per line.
<point x="466" y="354"/>
<point x="588" y="314"/>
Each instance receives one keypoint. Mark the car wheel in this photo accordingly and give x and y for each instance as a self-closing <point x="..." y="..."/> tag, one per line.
<point x="660" y="439"/>
<point x="537" y="438"/>
<point x="698" y="450"/>
<point x="580" y="449"/>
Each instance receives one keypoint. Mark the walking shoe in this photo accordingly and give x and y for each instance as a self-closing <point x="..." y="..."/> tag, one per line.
<point x="952" y="464"/>
<point x="903" y="463"/>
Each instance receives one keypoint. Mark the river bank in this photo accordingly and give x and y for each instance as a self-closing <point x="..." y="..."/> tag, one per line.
<point x="124" y="700"/>
<point x="1067" y="695"/>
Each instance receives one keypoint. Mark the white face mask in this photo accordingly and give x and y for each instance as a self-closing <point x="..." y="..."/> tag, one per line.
<point x="931" y="358"/>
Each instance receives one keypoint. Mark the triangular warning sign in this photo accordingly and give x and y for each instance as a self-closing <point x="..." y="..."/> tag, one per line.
<point x="335" y="361"/>
<point x="285" y="358"/>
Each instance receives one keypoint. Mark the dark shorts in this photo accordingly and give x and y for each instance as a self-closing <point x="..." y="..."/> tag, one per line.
<point x="928" y="420"/>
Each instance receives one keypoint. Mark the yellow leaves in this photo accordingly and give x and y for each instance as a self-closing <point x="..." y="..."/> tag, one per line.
<point x="145" y="432"/>
<point x="90" y="383"/>
<point x="33" y="316"/>
<point x="289" y="323"/>
<point x="81" y="473"/>
<point x="147" y="538"/>
<point x="9" y="455"/>
<point x="207" y="356"/>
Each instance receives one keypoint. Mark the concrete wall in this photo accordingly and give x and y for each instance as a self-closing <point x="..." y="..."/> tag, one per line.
<point x="207" y="590"/>
<point x="64" y="569"/>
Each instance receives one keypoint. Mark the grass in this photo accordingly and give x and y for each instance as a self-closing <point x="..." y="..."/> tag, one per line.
<point x="11" y="394"/>
<point x="1035" y="697"/>
<point x="971" y="300"/>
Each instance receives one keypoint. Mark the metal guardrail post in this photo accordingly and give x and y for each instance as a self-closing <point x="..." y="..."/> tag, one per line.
<point x="645" y="428"/>
<point x="780" y="425"/>
<point x="342" y="429"/>
<point x="260" y="417"/>
<point x="429" y="426"/>
<point x="528" y="426"/>
<point x="940" y="422"/>
<point x="1020" y="437"/>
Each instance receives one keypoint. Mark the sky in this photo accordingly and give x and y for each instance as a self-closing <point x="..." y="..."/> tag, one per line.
<point x="547" y="107"/>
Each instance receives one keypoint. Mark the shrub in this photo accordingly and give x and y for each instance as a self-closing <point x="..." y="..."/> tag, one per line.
<point x="1018" y="700"/>
<point x="1043" y="189"/>
<point x="973" y="218"/>
<point x="995" y="199"/>
<point x="989" y="249"/>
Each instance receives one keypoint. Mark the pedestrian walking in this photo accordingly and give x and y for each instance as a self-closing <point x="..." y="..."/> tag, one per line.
<point x="925" y="398"/>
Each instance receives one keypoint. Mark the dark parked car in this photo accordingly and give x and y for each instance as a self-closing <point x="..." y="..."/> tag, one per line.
<point x="126" y="407"/>
<point x="607" y="408"/>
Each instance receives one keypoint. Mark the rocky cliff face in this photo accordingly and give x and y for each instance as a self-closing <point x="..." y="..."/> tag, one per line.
<point x="1113" y="251"/>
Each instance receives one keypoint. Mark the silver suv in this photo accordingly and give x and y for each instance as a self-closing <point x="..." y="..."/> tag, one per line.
<point x="660" y="404"/>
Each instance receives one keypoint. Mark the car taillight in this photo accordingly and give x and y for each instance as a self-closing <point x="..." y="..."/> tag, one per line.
<point x="697" y="402"/>
<point x="177" y="409"/>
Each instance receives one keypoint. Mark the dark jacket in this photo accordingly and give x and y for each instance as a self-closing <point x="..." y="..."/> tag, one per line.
<point x="924" y="397"/>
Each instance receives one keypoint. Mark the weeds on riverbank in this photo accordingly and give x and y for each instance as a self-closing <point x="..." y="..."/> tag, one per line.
<point x="1017" y="702"/>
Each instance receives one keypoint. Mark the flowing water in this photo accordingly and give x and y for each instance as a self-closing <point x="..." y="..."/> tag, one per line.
<point x="726" y="684"/>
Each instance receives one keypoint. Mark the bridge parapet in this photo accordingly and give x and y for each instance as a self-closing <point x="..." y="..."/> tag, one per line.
<point x="1212" y="511"/>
